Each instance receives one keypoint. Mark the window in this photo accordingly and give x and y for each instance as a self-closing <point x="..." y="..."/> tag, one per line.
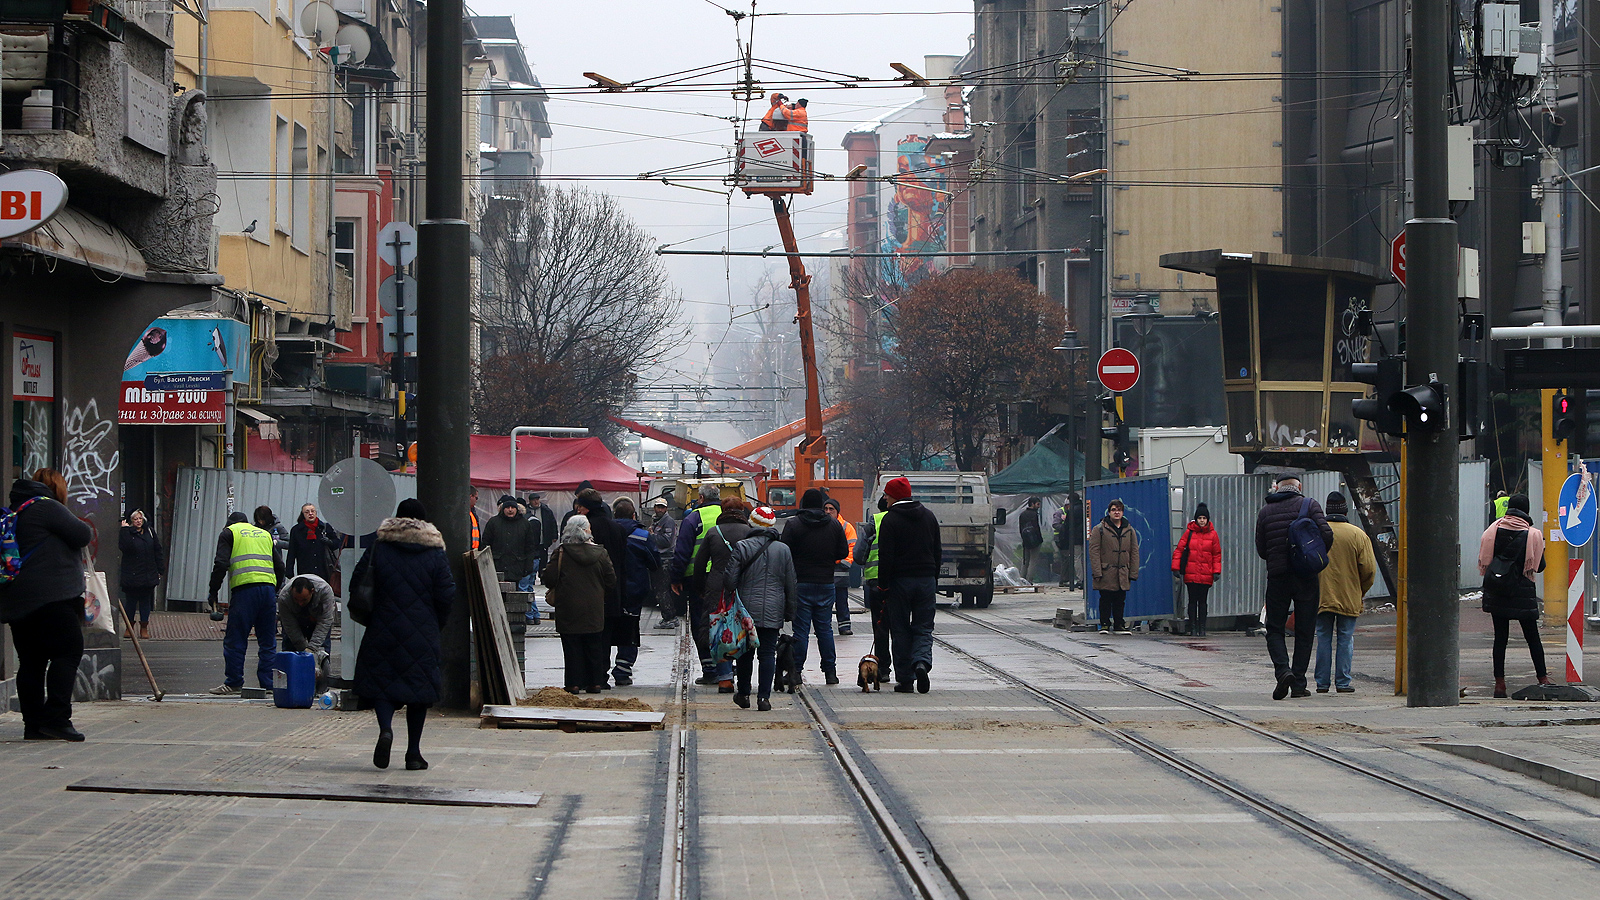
<point x="1375" y="46"/>
<point x="1571" y="200"/>
<point x="283" y="212"/>
<point x="486" y="120"/>
<point x="363" y="158"/>
<point x="1026" y="159"/>
<point x="300" y="218"/>
<point x="344" y="245"/>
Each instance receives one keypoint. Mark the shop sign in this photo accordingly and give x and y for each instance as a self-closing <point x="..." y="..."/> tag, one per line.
<point x="145" y="407"/>
<point x="29" y="198"/>
<point x="33" y="367"/>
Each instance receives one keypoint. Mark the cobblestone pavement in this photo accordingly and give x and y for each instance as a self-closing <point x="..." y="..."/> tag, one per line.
<point x="1017" y="798"/>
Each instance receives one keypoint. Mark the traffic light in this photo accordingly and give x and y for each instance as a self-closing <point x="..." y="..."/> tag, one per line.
<point x="1387" y="380"/>
<point x="1563" y="417"/>
<point x="1422" y="406"/>
<point x="1116" y="433"/>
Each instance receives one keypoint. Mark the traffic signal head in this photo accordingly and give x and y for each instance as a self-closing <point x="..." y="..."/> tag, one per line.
<point x="1423" y="406"/>
<point x="1563" y="417"/>
<point x="1387" y="381"/>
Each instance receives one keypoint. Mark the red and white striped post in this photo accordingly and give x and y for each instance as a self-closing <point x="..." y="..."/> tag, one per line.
<point x="1575" y="584"/>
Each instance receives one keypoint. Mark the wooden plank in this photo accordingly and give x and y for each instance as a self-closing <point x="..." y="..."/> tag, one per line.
<point x="356" y="793"/>
<point x="500" y="627"/>
<point x="570" y="719"/>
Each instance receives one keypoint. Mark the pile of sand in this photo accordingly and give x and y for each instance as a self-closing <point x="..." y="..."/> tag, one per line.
<point x="558" y="698"/>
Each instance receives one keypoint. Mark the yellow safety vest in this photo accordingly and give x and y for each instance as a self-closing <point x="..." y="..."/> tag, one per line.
<point x="869" y="569"/>
<point x="708" y="520"/>
<point x="1501" y="504"/>
<point x="252" y="557"/>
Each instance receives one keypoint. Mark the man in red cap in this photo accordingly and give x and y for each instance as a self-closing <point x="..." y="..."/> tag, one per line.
<point x="909" y="554"/>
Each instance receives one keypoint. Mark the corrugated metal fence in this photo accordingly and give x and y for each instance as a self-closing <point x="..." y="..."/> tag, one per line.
<point x="1233" y="501"/>
<point x="201" y="509"/>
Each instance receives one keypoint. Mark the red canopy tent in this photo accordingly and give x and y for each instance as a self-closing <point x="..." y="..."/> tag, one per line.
<point x="549" y="464"/>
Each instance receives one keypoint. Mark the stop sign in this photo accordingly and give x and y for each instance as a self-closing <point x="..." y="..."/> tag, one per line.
<point x="1397" y="258"/>
<point x="1118" y="369"/>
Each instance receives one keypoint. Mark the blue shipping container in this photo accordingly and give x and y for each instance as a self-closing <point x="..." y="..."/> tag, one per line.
<point x="1146" y="502"/>
<point x="294" y="679"/>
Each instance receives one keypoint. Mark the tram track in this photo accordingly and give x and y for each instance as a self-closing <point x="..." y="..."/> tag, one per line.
<point x="1318" y="832"/>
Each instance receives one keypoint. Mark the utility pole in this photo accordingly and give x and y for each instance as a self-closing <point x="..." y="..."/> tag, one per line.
<point x="1554" y="455"/>
<point x="1432" y="659"/>
<point x="444" y="329"/>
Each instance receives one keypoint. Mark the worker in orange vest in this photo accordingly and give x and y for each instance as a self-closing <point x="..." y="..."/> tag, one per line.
<point x="798" y="118"/>
<point x="777" y="117"/>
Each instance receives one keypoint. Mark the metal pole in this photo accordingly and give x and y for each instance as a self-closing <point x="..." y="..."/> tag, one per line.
<point x="444" y="467"/>
<point x="1553" y="453"/>
<point x="227" y="432"/>
<point x="1433" y="609"/>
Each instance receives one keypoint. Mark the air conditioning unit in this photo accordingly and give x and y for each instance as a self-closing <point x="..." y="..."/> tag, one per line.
<point x="408" y="145"/>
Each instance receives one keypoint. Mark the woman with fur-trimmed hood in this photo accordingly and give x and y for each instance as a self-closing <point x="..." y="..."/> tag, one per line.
<point x="398" y="664"/>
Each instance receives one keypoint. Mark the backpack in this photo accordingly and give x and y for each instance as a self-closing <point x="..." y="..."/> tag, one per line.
<point x="11" y="556"/>
<point x="1505" y="569"/>
<point x="1308" y="555"/>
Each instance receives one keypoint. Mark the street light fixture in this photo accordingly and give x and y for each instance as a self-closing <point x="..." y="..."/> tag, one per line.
<point x="1143" y="314"/>
<point x="1070" y="346"/>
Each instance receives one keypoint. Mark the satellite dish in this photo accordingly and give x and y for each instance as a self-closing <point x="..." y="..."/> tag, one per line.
<point x="318" y="21"/>
<point x="355" y="37"/>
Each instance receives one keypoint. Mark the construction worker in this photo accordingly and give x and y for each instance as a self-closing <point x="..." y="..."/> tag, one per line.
<point x="866" y="550"/>
<point x="841" y="570"/>
<point x="689" y="583"/>
<point x="777" y="117"/>
<point x="472" y="514"/>
<point x="245" y="556"/>
<point x="799" y="120"/>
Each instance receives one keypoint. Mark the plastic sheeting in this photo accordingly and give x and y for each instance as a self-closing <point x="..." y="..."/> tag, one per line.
<point x="1008" y="540"/>
<point x="1146" y="502"/>
<point x="550" y="464"/>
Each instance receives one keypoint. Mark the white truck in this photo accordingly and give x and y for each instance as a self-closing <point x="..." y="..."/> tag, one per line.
<point x="967" y="517"/>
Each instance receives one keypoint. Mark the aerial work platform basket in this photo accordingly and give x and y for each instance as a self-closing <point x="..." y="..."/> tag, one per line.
<point x="774" y="162"/>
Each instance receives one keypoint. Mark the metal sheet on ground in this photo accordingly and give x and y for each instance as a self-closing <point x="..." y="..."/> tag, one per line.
<point x="536" y="715"/>
<point x="356" y="793"/>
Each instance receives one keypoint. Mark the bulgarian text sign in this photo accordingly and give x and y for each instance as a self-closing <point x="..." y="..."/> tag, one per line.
<point x="144" y="407"/>
<point x="185" y="381"/>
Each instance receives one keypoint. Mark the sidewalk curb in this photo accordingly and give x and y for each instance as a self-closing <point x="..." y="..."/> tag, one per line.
<point x="1550" y="774"/>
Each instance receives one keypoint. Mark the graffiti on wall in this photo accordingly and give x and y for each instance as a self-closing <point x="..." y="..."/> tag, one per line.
<point x="915" y="220"/>
<point x="90" y="457"/>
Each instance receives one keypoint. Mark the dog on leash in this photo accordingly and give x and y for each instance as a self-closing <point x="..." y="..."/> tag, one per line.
<point x="787" y="677"/>
<point x="867" y="673"/>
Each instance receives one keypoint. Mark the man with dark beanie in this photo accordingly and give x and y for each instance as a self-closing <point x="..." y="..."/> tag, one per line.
<point x="1352" y="567"/>
<point x="909" y="555"/>
<point x="815" y="540"/>
<point x="1288" y="590"/>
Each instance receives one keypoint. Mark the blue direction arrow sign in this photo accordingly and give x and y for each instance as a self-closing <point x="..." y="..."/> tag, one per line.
<point x="185" y="381"/>
<point x="1577" y="509"/>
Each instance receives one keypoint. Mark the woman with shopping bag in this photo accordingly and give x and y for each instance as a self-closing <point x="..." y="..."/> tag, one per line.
<point x="714" y="558"/>
<point x="43" y="604"/>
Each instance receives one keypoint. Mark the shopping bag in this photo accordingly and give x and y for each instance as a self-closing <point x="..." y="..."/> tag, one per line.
<point x="733" y="632"/>
<point x="97" y="601"/>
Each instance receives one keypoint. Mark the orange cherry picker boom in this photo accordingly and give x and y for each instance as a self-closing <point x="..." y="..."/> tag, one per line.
<point x="778" y="165"/>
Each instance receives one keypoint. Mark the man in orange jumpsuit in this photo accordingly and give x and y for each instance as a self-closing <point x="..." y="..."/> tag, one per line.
<point x="798" y="118"/>
<point x="777" y="117"/>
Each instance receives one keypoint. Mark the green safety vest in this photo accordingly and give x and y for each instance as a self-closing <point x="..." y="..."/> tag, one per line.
<point x="1501" y="504"/>
<point x="869" y="568"/>
<point x="252" y="557"/>
<point x="708" y="520"/>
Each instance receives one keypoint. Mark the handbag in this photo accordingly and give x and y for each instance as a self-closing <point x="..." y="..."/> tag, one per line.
<point x="360" y="603"/>
<point x="733" y="632"/>
<point x="97" y="602"/>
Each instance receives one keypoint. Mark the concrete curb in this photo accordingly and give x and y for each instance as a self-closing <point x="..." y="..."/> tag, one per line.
<point x="1522" y="765"/>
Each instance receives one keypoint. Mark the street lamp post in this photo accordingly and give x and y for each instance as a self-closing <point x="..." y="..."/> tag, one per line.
<point x="1071" y="349"/>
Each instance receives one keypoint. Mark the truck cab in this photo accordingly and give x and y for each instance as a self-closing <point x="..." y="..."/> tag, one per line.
<point x="967" y="518"/>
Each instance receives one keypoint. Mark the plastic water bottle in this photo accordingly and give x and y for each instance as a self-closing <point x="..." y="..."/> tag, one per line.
<point x="326" y="700"/>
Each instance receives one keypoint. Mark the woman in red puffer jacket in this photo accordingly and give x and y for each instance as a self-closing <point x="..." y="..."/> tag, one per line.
<point x="1198" y="561"/>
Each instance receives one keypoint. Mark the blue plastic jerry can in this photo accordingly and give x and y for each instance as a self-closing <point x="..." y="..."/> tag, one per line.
<point x="294" y="679"/>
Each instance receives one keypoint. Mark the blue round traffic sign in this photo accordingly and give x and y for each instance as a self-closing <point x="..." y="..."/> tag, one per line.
<point x="1577" y="509"/>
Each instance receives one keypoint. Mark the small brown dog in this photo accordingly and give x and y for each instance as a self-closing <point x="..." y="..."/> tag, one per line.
<point x="867" y="673"/>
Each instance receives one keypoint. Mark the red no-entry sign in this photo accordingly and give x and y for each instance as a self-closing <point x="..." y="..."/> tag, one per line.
<point x="1397" y="258"/>
<point x="1118" y="369"/>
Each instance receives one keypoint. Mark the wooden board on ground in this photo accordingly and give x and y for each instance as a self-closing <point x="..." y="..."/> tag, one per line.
<point x="570" y="720"/>
<point x="357" y="793"/>
<point x="1016" y="589"/>
<point x="498" y="670"/>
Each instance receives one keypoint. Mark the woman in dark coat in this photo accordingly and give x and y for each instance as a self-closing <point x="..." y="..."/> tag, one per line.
<point x="142" y="564"/>
<point x="412" y="591"/>
<point x="579" y="577"/>
<point x="314" y="548"/>
<point x="44" y="605"/>
<point x="1510" y="553"/>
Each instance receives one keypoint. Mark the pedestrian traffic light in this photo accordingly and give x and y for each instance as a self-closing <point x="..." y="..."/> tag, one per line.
<point x="1422" y="406"/>
<point x="1387" y="380"/>
<point x="1563" y="417"/>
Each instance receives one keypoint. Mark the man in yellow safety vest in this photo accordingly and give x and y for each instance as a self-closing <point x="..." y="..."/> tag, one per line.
<point x="866" y="550"/>
<point x="245" y="557"/>
<point x="689" y="584"/>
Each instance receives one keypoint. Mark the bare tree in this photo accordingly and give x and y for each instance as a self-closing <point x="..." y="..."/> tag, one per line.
<point x="574" y="298"/>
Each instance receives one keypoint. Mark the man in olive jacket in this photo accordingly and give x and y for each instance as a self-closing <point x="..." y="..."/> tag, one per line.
<point x="1352" y="567"/>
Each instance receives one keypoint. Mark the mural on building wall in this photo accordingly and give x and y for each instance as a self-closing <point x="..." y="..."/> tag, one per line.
<point x="914" y="221"/>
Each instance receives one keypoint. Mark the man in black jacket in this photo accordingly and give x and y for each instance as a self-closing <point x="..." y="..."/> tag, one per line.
<point x="510" y="535"/>
<point x="1286" y="588"/>
<point x="909" y="555"/>
<point x="816" y="541"/>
